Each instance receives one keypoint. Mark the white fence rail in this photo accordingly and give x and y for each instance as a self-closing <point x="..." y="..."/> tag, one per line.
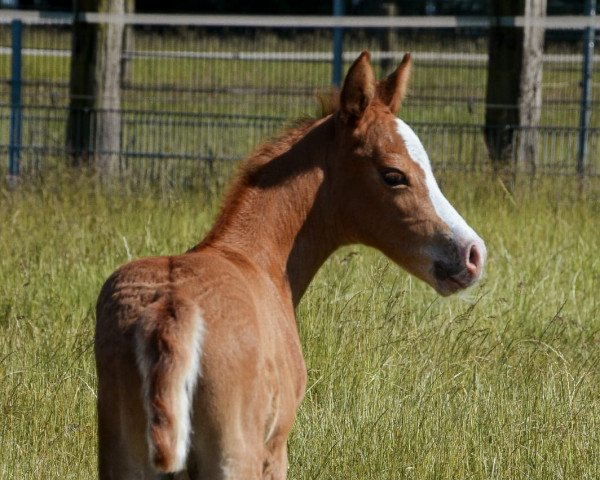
<point x="559" y="22"/>
<point x="348" y="56"/>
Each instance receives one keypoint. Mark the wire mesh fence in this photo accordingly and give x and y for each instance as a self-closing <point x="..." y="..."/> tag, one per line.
<point x="195" y="92"/>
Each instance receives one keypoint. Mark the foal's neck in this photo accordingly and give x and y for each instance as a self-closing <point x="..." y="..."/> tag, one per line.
<point x="279" y="213"/>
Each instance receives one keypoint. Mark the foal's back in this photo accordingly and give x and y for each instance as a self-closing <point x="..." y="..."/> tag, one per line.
<point x="202" y="332"/>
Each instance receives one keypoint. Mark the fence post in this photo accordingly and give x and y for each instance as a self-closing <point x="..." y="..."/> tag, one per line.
<point x="14" y="148"/>
<point x="388" y="38"/>
<point x="338" y="44"/>
<point x="586" y="87"/>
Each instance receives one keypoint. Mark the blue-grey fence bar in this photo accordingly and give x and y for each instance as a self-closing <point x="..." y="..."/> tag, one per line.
<point x="338" y="46"/>
<point x="586" y="86"/>
<point x="16" y="120"/>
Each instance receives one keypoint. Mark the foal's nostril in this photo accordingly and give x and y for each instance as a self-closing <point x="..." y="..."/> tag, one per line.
<point x="473" y="255"/>
<point x="474" y="260"/>
<point x="461" y="265"/>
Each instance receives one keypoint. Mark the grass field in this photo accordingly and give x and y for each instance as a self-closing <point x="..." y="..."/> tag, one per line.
<point x="502" y="383"/>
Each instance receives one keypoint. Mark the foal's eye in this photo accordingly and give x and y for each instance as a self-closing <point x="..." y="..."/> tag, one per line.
<point x="394" y="178"/>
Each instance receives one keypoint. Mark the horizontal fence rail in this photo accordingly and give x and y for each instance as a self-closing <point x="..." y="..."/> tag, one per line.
<point x="302" y="56"/>
<point x="196" y="90"/>
<point x="562" y="22"/>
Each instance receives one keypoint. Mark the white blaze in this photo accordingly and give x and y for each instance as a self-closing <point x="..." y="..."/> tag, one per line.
<point x="442" y="206"/>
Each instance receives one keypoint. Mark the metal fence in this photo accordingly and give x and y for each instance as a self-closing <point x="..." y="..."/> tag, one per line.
<point x="203" y="89"/>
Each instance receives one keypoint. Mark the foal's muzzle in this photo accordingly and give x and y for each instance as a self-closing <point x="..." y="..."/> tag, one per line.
<point x="461" y="267"/>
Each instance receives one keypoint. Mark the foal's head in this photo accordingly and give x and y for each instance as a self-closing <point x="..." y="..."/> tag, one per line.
<point x="384" y="189"/>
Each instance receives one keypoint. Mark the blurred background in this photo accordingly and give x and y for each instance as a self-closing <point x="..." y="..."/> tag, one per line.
<point x="166" y="92"/>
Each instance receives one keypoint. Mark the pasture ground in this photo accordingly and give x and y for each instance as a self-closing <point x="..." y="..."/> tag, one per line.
<point x="502" y="383"/>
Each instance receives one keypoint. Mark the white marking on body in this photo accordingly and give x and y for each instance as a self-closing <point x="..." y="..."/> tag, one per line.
<point x="181" y="393"/>
<point x="193" y="372"/>
<point x="442" y="206"/>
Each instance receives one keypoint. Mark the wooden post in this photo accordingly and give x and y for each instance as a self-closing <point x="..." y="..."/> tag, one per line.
<point x="388" y="38"/>
<point x="530" y="99"/>
<point x="513" y="94"/>
<point x="128" y="45"/>
<point x="81" y="85"/>
<point x="108" y="90"/>
<point x="94" y="125"/>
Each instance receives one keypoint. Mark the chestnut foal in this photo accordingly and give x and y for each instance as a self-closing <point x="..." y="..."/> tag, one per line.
<point x="200" y="368"/>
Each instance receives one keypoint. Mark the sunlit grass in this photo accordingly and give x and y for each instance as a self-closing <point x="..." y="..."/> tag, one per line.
<point x="402" y="384"/>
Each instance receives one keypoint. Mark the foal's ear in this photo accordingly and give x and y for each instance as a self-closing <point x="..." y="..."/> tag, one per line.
<point x="391" y="90"/>
<point x="358" y="90"/>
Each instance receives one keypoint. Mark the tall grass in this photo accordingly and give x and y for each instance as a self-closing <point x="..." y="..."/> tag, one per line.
<point x="502" y="383"/>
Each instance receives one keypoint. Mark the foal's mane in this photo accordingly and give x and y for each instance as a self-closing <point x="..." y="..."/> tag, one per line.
<point x="262" y="169"/>
<point x="296" y="129"/>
